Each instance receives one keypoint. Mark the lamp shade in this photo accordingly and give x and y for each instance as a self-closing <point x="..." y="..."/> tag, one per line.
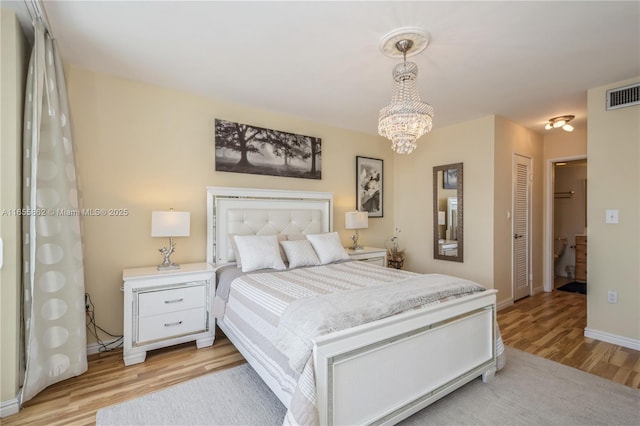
<point x="170" y="224"/>
<point x="356" y="220"/>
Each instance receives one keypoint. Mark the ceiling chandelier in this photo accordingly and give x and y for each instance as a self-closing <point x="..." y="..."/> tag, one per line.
<point x="406" y="118"/>
<point x="561" y="121"/>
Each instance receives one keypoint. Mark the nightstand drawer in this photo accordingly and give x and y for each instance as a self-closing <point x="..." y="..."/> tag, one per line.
<point x="171" y="324"/>
<point x="377" y="256"/>
<point x="177" y="299"/>
<point x="375" y="260"/>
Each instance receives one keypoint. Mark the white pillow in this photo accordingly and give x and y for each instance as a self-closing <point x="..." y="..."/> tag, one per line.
<point x="328" y="247"/>
<point x="300" y="253"/>
<point x="237" y="255"/>
<point x="234" y="247"/>
<point x="259" y="252"/>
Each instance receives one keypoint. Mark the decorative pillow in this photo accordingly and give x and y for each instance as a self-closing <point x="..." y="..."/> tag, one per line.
<point x="300" y="253"/>
<point x="236" y="253"/>
<point x="234" y="247"/>
<point x="328" y="247"/>
<point x="259" y="252"/>
<point x="283" y="255"/>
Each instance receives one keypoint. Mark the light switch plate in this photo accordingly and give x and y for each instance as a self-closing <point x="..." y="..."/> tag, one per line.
<point x="611" y="216"/>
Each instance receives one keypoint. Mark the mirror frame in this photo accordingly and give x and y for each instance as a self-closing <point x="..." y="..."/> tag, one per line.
<point x="460" y="215"/>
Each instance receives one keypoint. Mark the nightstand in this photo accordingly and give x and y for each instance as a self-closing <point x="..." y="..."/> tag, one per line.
<point x="164" y="308"/>
<point x="374" y="255"/>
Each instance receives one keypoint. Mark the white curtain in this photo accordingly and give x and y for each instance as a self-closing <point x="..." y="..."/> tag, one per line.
<point x="54" y="313"/>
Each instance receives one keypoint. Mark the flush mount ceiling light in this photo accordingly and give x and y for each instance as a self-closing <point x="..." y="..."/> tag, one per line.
<point x="561" y="121"/>
<point x="406" y="118"/>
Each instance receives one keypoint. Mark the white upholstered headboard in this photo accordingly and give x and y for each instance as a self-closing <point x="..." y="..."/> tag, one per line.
<point x="245" y="211"/>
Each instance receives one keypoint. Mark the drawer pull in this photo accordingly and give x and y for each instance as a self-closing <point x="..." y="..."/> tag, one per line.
<point x="172" y="324"/>
<point x="174" y="300"/>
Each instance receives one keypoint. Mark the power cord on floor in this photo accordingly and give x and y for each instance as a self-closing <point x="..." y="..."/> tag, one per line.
<point x="93" y="328"/>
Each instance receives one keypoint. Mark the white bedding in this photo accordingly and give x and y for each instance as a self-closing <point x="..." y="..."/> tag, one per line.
<point x="305" y="319"/>
<point x="253" y="306"/>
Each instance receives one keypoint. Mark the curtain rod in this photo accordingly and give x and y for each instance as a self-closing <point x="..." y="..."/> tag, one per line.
<point x="38" y="13"/>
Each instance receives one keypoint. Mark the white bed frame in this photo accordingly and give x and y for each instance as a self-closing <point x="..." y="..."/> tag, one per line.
<point x="376" y="373"/>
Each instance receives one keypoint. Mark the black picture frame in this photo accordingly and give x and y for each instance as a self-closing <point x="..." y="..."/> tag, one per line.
<point x="369" y="186"/>
<point x="242" y="148"/>
<point x="450" y="179"/>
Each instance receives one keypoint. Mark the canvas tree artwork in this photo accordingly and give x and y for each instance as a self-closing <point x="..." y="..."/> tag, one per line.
<point x="242" y="148"/>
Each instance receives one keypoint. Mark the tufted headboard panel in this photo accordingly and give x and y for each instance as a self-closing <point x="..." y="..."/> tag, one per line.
<point x="243" y="211"/>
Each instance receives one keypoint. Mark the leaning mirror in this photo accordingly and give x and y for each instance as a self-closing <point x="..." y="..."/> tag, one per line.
<point x="447" y="213"/>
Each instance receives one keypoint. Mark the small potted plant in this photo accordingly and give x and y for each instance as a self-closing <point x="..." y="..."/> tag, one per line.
<point x="395" y="256"/>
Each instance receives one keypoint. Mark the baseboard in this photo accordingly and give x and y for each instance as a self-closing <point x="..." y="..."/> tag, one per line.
<point x="94" y="348"/>
<point x="612" y="338"/>
<point x="9" y="407"/>
<point x="537" y="290"/>
<point x="504" y="304"/>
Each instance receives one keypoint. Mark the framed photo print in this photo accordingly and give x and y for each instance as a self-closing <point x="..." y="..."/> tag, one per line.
<point x="369" y="193"/>
<point x="450" y="179"/>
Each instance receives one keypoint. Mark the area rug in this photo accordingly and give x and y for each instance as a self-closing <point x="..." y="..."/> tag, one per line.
<point x="574" y="287"/>
<point x="529" y="391"/>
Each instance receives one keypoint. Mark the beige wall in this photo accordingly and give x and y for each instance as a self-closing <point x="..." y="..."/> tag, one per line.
<point x="12" y="72"/>
<point x="485" y="147"/>
<point x="614" y="249"/>
<point x="510" y="139"/>
<point x="472" y="144"/>
<point x="560" y="144"/>
<point x="144" y="148"/>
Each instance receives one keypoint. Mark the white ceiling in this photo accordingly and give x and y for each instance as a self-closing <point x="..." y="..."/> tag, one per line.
<point x="526" y="61"/>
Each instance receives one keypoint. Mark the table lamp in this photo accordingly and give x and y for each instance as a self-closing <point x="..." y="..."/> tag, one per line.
<point x="356" y="220"/>
<point x="169" y="224"/>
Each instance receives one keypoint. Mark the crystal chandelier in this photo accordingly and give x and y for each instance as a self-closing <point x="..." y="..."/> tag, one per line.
<point x="406" y="118"/>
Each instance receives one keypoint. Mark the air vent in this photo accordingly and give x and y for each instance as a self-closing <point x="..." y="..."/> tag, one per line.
<point x="623" y="97"/>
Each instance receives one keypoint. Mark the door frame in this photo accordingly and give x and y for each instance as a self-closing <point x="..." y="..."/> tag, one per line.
<point x="550" y="179"/>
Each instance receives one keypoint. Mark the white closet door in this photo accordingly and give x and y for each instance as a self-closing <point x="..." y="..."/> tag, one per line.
<point x="521" y="226"/>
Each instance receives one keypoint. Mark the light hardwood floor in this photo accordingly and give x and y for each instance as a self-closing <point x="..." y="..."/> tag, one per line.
<point x="550" y="325"/>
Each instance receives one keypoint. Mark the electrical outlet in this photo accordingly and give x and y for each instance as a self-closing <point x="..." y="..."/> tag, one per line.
<point x="86" y="302"/>
<point x="612" y="296"/>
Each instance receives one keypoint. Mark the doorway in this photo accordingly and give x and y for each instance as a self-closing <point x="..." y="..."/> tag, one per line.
<point x="569" y="219"/>
<point x="566" y="218"/>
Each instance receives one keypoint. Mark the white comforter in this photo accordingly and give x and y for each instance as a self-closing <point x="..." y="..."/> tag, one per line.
<point x="307" y="318"/>
<point x="262" y="312"/>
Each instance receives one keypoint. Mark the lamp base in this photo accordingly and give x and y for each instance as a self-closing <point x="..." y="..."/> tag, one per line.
<point x="167" y="264"/>
<point x="168" y="267"/>
<point x="355" y="246"/>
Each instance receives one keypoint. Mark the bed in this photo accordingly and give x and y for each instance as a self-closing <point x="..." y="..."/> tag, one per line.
<point x="403" y="350"/>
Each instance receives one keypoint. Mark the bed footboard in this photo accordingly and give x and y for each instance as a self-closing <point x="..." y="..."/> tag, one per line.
<point x="382" y="372"/>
